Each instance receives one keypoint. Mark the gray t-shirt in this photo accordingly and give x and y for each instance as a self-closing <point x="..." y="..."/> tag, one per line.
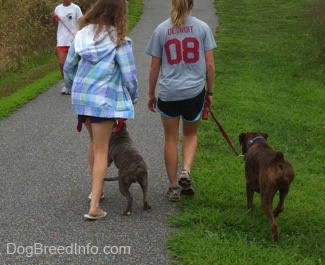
<point x="182" y="52"/>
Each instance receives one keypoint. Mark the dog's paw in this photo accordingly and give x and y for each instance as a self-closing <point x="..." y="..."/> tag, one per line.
<point x="127" y="212"/>
<point x="146" y="206"/>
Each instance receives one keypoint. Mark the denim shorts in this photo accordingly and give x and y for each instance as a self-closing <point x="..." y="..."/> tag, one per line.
<point x="82" y="119"/>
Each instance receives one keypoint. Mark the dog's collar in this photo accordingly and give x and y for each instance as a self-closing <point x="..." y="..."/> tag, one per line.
<point x="250" y="142"/>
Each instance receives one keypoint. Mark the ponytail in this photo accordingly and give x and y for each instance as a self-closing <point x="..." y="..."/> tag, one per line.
<point x="179" y="11"/>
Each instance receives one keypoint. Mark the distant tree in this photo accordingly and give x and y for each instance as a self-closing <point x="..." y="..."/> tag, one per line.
<point x="3" y="4"/>
<point x="84" y="4"/>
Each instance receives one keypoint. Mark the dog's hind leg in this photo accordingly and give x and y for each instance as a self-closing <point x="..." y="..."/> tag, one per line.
<point x="124" y="189"/>
<point x="144" y="186"/>
<point x="283" y="194"/>
<point x="266" y="200"/>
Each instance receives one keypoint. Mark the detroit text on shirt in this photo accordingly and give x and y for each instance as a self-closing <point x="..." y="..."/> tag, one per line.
<point x="187" y="29"/>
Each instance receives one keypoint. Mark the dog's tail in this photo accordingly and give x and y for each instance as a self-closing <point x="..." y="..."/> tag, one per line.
<point x="111" y="178"/>
<point x="279" y="159"/>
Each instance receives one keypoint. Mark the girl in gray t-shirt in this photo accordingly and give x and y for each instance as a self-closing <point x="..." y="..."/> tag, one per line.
<point x="181" y="48"/>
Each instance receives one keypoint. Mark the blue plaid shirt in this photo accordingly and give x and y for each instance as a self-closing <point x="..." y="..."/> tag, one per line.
<point x="102" y="77"/>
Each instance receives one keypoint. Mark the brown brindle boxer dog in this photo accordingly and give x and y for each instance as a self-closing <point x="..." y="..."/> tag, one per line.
<point x="266" y="172"/>
<point x="130" y="164"/>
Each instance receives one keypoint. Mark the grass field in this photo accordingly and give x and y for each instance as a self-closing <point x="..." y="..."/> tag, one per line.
<point x="269" y="77"/>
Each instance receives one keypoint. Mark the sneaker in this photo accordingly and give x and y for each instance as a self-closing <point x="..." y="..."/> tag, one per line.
<point x="185" y="183"/>
<point x="173" y="194"/>
<point x="65" y="91"/>
<point x="102" y="197"/>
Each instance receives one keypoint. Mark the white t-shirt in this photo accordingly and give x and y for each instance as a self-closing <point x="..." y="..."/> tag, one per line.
<point x="67" y="24"/>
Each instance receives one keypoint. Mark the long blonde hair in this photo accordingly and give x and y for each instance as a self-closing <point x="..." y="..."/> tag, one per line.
<point x="106" y="13"/>
<point x="179" y="11"/>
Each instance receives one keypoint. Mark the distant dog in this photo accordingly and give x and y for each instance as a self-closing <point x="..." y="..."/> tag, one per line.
<point x="266" y="171"/>
<point x="130" y="164"/>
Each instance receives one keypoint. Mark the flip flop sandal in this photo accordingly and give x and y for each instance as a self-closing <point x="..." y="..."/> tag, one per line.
<point x="90" y="217"/>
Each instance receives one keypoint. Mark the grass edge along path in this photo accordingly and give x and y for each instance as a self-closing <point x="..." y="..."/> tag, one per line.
<point x="18" y="99"/>
<point x="264" y="82"/>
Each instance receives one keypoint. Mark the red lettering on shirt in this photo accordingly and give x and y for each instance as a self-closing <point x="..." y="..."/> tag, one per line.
<point x="187" y="29"/>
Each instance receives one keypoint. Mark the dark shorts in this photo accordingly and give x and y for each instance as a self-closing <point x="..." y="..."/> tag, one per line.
<point x="82" y="119"/>
<point x="189" y="109"/>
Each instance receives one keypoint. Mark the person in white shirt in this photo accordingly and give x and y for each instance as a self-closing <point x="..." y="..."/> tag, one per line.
<point x="65" y="16"/>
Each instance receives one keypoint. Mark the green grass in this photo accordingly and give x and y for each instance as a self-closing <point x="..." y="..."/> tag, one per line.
<point x="266" y="80"/>
<point x="135" y="10"/>
<point x="37" y="75"/>
<point x="20" y="97"/>
<point x="38" y="72"/>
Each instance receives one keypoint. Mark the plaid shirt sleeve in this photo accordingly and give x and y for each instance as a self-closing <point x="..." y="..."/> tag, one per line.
<point x="125" y="60"/>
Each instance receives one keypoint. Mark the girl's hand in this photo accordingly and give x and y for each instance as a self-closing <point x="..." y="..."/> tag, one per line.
<point x="55" y="16"/>
<point x="152" y="101"/>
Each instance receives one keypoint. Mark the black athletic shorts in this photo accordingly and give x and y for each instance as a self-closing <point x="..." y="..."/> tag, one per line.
<point x="189" y="109"/>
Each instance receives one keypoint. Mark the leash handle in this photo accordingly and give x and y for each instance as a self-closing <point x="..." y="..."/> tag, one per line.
<point x="206" y="109"/>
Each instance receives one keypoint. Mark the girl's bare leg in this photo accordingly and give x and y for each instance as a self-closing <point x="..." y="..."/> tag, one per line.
<point x="189" y="144"/>
<point x="170" y="148"/>
<point x="62" y="56"/>
<point x="98" y="152"/>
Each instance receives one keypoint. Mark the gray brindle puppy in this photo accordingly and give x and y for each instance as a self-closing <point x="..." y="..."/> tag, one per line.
<point x="131" y="165"/>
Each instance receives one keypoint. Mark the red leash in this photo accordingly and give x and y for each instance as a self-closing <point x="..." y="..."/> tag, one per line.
<point x="118" y="125"/>
<point x="206" y="110"/>
<point x="224" y="133"/>
<point x="57" y="18"/>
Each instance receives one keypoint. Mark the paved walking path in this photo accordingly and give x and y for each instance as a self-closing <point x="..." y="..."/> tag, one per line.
<point x="44" y="178"/>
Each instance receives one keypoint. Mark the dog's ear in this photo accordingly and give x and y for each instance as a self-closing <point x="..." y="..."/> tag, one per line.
<point x="265" y="136"/>
<point x="241" y="138"/>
